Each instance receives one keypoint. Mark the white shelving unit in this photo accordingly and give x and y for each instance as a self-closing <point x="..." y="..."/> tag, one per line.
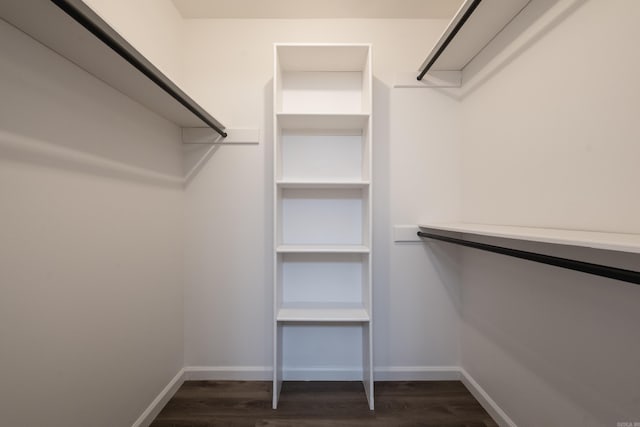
<point x="322" y="206"/>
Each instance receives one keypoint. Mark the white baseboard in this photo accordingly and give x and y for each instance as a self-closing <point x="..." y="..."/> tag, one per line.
<point x="228" y="373"/>
<point x="416" y="373"/>
<point x="264" y="373"/>
<point x="158" y="403"/>
<point x="381" y="373"/>
<point x="498" y="415"/>
<point x="322" y="374"/>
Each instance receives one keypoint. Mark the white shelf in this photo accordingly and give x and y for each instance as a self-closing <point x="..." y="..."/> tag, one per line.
<point x="323" y="249"/>
<point x="51" y="26"/>
<point x="588" y="239"/>
<point x="488" y="19"/>
<point x="322" y="312"/>
<point x="322" y="120"/>
<point x="328" y="185"/>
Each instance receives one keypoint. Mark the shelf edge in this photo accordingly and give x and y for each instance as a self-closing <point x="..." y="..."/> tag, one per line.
<point x="630" y="242"/>
<point x="74" y="31"/>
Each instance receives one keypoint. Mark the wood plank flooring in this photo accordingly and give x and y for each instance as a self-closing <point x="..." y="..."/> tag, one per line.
<point x="323" y="403"/>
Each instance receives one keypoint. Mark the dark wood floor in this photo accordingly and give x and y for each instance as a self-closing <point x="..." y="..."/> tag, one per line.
<point x="248" y="403"/>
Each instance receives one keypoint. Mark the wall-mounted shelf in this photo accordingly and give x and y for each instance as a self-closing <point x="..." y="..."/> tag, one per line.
<point x="468" y="33"/>
<point x="589" y="239"/>
<point x="629" y="243"/>
<point x="73" y="30"/>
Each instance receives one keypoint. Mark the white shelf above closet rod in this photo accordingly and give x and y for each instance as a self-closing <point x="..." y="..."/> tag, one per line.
<point x="622" y="242"/>
<point x="473" y="26"/>
<point x="73" y="30"/>
<point x="596" y="240"/>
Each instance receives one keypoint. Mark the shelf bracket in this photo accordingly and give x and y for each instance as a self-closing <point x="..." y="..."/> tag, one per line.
<point x="207" y="136"/>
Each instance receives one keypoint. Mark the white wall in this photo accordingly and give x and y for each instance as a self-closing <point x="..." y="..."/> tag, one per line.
<point x="91" y="211"/>
<point x="228" y="294"/>
<point x="419" y="294"/>
<point x="550" y="139"/>
<point x="557" y="127"/>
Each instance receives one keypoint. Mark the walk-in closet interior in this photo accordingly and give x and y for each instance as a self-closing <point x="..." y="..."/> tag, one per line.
<point x="363" y="197"/>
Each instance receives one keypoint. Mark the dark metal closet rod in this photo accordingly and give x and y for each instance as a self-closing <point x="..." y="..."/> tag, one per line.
<point x="99" y="28"/>
<point x="585" y="267"/>
<point x="450" y="37"/>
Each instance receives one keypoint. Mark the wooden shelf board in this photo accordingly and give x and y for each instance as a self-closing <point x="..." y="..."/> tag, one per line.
<point x="590" y="239"/>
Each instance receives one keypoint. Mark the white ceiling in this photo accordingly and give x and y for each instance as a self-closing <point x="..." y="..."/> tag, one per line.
<point x="300" y="9"/>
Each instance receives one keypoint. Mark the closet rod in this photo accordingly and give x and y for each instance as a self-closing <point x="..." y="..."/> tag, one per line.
<point x="434" y="55"/>
<point x="585" y="267"/>
<point x="82" y="14"/>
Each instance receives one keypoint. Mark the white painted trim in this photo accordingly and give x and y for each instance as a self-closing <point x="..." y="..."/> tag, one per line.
<point x="381" y="373"/>
<point x="228" y="373"/>
<point x="264" y="373"/>
<point x="431" y="79"/>
<point x="209" y="136"/>
<point x="152" y="411"/>
<point x="498" y="415"/>
<point x="322" y="374"/>
<point x="417" y="373"/>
